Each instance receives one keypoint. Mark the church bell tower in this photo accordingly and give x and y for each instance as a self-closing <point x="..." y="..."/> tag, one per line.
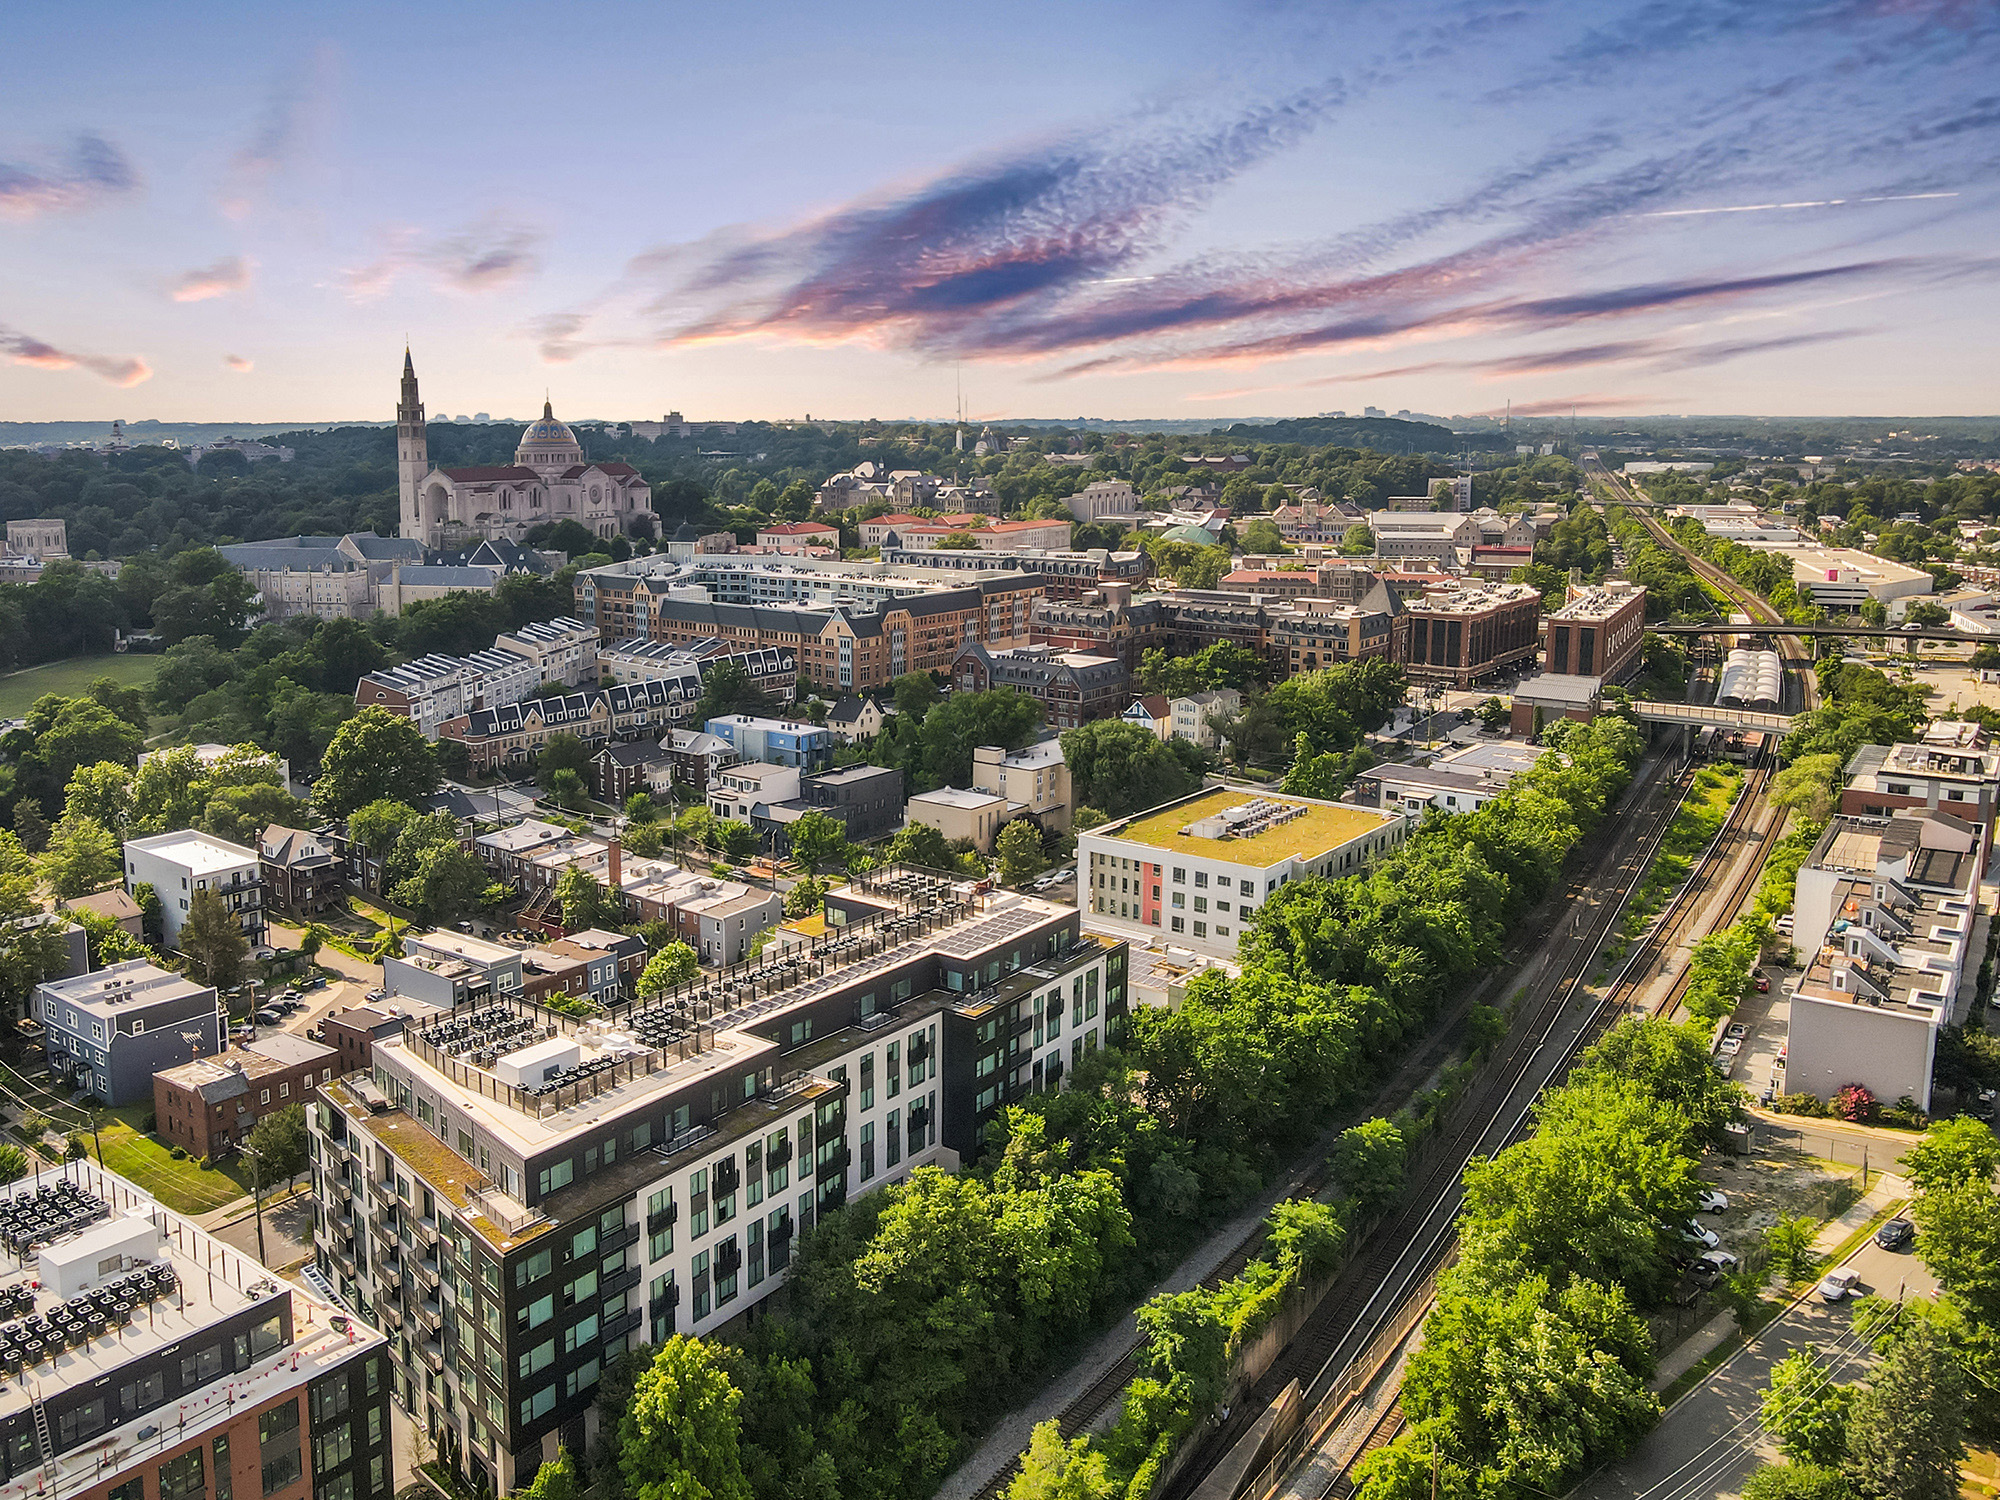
<point x="412" y="453"/>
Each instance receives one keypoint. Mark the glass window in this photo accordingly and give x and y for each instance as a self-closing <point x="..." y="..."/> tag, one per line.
<point x="185" y="1476"/>
<point x="534" y="1268"/>
<point x="278" y="1446"/>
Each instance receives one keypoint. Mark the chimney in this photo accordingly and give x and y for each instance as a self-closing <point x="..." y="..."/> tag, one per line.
<point x="617" y="864"/>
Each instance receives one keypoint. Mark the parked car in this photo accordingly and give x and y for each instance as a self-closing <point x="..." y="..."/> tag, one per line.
<point x="268" y="1018"/>
<point x="1714" y="1201"/>
<point x="1784" y="924"/>
<point x="1730" y="1046"/>
<point x="1696" y="1234"/>
<point x="264" y="953"/>
<point x="378" y="995"/>
<point x="1711" y="1267"/>
<point x="1738" y="1029"/>
<point x="1895" y="1234"/>
<point x="1763" y="984"/>
<point x="1838" y="1284"/>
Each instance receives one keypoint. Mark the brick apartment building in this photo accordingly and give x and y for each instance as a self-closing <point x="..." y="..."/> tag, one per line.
<point x="1469" y="634"/>
<point x="209" y="1106"/>
<point x="1598" y="632"/>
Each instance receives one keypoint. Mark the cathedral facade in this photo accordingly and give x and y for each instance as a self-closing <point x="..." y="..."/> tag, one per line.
<point x="548" y="481"/>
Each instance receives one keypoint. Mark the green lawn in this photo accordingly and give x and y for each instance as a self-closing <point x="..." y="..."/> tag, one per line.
<point x="19" y="690"/>
<point x="181" y="1185"/>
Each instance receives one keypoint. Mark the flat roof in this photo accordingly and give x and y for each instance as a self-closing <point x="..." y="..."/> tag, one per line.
<point x="955" y="796"/>
<point x="201" y="853"/>
<point x="1324" y="826"/>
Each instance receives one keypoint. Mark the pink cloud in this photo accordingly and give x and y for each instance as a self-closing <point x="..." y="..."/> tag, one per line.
<point x="92" y="170"/>
<point x="230" y="274"/>
<point x="24" y="349"/>
<point x="482" y="259"/>
<point x="238" y="363"/>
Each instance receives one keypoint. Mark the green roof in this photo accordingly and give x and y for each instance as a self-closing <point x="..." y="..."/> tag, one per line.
<point x="1323" y="827"/>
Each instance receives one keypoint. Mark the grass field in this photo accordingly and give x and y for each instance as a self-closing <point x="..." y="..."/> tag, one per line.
<point x="19" y="690"/>
<point x="181" y="1185"/>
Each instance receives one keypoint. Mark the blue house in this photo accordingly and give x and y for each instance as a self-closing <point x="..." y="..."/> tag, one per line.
<point x="777" y="742"/>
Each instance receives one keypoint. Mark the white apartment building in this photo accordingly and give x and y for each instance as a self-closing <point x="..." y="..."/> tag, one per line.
<point x="517" y="1197"/>
<point x="1190" y="718"/>
<point x="1197" y="870"/>
<point x="1953" y="769"/>
<point x="176" y="865"/>
<point x="739" y="790"/>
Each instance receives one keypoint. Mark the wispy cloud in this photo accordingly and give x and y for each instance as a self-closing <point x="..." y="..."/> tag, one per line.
<point x="85" y="173"/>
<point x="294" y="108"/>
<point x="24" y="349"/>
<point x="483" y="259"/>
<point x="238" y="363"/>
<point x="230" y="274"/>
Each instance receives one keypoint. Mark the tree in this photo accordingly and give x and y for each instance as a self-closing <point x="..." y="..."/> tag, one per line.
<point x="567" y="789"/>
<point x="1357" y="541"/>
<point x="377" y="825"/>
<point x="561" y="752"/>
<point x="430" y="873"/>
<point x="1322" y="776"/>
<point x="641" y="808"/>
<point x="586" y="902"/>
<point x="1369" y="1161"/>
<point x="13" y="1163"/>
<point x="1263" y="537"/>
<point x="915" y="693"/>
<point x="555" y="1479"/>
<point x="280" y="1142"/>
<point x="1122" y="768"/>
<point x="240" y="814"/>
<point x="1953" y="1153"/>
<point x="82" y="857"/>
<point x="1808" y="787"/>
<point x="1087" y="818"/>
<point x="818" y="838"/>
<point x="213" y="940"/>
<point x="1906" y="1430"/>
<point x="738" y="841"/>
<point x="678" y="1440"/>
<point x="1796" y="1481"/>
<point x="1925" y="614"/>
<point x="373" y="756"/>
<point x="1052" y="1469"/>
<point x="1020" y="849"/>
<point x="728" y="688"/>
<point x="954" y="728"/>
<point x="1805" y="1411"/>
<point x="1493" y="715"/>
<point x="1790" y="1242"/>
<point x="806" y="897"/>
<point x="101" y="792"/>
<point x="673" y="966"/>
<point x="919" y="844"/>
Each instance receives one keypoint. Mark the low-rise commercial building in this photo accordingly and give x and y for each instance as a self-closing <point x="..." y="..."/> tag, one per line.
<point x="107" y="1032"/>
<point x="209" y="1106"/>
<point x="1600" y="631"/>
<point x="1198" y="869"/>
<point x="1062" y="575"/>
<point x="1841" y="579"/>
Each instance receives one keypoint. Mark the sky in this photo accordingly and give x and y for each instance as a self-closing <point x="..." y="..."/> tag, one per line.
<point x="1119" y="210"/>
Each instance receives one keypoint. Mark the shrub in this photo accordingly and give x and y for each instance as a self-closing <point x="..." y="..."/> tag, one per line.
<point x="1800" y="1104"/>
<point x="150" y="1124"/>
<point x="1854" y="1104"/>
<point x="178" y="1153"/>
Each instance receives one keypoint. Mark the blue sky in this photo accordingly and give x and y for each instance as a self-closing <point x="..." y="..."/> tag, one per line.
<point x="1119" y="210"/>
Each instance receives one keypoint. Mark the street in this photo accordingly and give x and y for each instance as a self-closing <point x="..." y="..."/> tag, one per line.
<point x="1709" y="1442"/>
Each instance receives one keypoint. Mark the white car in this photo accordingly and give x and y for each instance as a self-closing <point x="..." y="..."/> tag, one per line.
<point x="1695" y="1234"/>
<point x="1714" y="1201"/>
<point x="1712" y="1267"/>
<point x="1784" y="924"/>
<point x="1838" y="1284"/>
<point x="1731" y="1045"/>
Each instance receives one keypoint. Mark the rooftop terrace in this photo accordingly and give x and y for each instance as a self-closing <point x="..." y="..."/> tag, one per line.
<point x="1319" y="828"/>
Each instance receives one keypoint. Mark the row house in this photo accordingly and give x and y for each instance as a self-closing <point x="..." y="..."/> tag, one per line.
<point x="514" y="733"/>
<point x="564" y="651"/>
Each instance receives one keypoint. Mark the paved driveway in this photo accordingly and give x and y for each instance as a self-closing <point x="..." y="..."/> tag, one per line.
<point x="1710" y="1441"/>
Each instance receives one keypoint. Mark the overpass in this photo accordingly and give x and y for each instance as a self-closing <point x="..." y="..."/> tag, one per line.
<point x="1712" y="715"/>
<point x="1884" y="632"/>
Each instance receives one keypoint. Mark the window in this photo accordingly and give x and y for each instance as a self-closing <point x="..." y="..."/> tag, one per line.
<point x="263" y="1096"/>
<point x="582" y="1289"/>
<point x="1201" y="929"/>
<point x="582" y="1336"/>
<point x="557" y="1175"/>
<point x="539" y="1405"/>
<point x="867" y="1150"/>
<point x="1201" y="880"/>
<point x="333" y="1447"/>
<point x="1246" y="887"/>
<point x="223" y="1486"/>
<point x="1201" y="903"/>
<point x="1180" y="875"/>
<point x="581" y="1378"/>
<point x="1179" y="924"/>
<point x="583" y="1244"/>
<point x="536" y="1313"/>
<point x="278" y="1446"/>
<point x="534" y="1268"/>
<point x="340" y="1487"/>
<point x="184" y="1476"/>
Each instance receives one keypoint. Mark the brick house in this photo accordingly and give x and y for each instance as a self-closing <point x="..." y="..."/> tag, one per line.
<point x="209" y="1106"/>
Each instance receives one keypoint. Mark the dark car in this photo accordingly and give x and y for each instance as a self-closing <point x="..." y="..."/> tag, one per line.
<point x="1895" y="1234"/>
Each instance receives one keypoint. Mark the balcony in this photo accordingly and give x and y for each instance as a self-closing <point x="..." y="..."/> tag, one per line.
<point x="666" y="1218"/>
<point x="433" y="1353"/>
<point x="427" y="1272"/>
<point x="618" y="1239"/>
<point x="727" y="1177"/>
<point x="779" y="1154"/>
<point x="621" y="1325"/>
<point x="343" y="1257"/>
<point x="619" y="1281"/>
<point x="667" y="1302"/>
<point x="728" y="1260"/>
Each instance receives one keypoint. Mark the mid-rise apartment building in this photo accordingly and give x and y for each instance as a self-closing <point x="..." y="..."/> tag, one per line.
<point x="1600" y="631"/>
<point x="1108" y="621"/>
<point x="109" y="1031"/>
<point x="516" y="1197"/>
<point x="177" y="865"/>
<point x="1063" y="575"/>
<point x="1035" y="781"/>
<point x="1462" y="636"/>
<point x="1193" y="718"/>
<point x="1072" y="687"/>
<point x="1316" y="633"/>
<point x="148" y="1360"/>
<point x="1199" y="868"/>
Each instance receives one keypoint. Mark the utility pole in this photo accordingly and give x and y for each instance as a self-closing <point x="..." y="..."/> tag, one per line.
<point x="257" y="1194"/>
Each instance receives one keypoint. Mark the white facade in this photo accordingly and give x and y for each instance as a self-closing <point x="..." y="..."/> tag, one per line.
<point x="1105" y="500"/>
<point x="563" y="650"/>
<point x="1189" y="716"/>
<point x="177" y="865"/>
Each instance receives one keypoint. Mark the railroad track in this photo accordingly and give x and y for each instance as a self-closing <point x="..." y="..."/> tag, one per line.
<point x="1380" y="1435"/>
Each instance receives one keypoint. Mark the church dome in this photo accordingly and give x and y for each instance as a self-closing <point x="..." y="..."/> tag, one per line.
<point x="548" y="443"/>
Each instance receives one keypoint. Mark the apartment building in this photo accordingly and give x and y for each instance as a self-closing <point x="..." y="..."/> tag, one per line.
<point x="773" y="671"/>
<point x="1952" y="769"/>
<point x="1071" y="686"/>
<point x="150" y="1359"/>
<point x="1199" y="868"/>
<point x="1600" y="631"/>
<point x="1063" y="575"/>
<point x="1193" y="717"/>
<point x="798" y="536"/>
<point x="1274" y="583"/>
<point x="1462" y="636"/>
<point x="178" y="864"/>
<point x="738" y="792"/>
<point x="1200" y="618"/>
<point x="866" y="800"/>
<point x="961" y="813"/>
<point x="1108" y="621"/>
<point x="514" y="733"/>
<point x="452" y="968"/>
<point x="1034" y="780"/>
<point x="210" y="1106"/>
<point x="302" y="871"/>
<point x="109" y="1031"/>
<point x="1316" y="633"/>
<point x="721" y="925"/>
<point x="1885" y="910"/>
<point x="429" y="690"/>
<point x="563" y="651"/>
<point x="1023" y="536"/>
<point x="517" y="1197"/>
<point x="776" y="742"/>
